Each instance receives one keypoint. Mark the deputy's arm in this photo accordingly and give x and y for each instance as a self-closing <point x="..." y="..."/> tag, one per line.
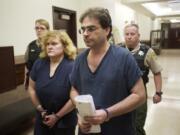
<point x="158" y="81"/>
<point x="158" y="85"/>
<point x="152" y="62"/>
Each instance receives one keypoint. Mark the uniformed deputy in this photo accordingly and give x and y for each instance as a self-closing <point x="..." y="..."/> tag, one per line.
<point x="146" y="59"/>
<point x="34" y="48"/>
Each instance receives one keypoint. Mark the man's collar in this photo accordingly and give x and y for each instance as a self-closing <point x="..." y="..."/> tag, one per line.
<point x="135" y="49"/>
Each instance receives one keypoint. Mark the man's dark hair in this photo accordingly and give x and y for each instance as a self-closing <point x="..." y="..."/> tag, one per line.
<point x="101" y="14"/>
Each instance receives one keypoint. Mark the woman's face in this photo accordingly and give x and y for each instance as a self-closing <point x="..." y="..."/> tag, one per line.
<point x="54" y="47"/>
<point x="40" y="30"/>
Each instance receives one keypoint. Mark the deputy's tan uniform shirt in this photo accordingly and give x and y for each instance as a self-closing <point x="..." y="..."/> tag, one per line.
<point x="150" y="59"/>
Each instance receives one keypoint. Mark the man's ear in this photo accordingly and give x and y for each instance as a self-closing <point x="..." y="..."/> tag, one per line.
<point x="107" y="31"/>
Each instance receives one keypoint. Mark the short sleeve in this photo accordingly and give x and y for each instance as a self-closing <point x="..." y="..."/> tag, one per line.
<point x="152" y="62"/>
<point x="26" y="57"/>
<point x="75" y="75"/>
<point x="132" y="71"/>
<point x="34" y="71"/>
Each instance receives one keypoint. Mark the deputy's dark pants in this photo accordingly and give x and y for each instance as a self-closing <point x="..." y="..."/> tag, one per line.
<point x="141" y="113"/>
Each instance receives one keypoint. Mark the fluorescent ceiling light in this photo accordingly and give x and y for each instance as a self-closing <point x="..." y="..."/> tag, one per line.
<point x="157" y="9"/>
<point x="174" y="20"/>
<point x="174" y="5"/>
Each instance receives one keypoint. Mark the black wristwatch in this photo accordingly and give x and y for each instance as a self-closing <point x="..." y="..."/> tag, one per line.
<point x="159" y="93"/>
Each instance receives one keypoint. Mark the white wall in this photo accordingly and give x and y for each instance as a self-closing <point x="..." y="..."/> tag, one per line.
<point x="109" y="4"/>
<point x="85" y="4"/>
<point x="18" y="16"/>
<point x="124" y="14"/>
<point x="120" y="15"/>
<point x="17" y="21"/>
<point x="145" y="26"/>
<point x="157" y="24"/>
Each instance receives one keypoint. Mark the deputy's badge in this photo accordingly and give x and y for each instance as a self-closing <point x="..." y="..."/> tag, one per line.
<point x="32" y="50"/>
<point x="141" y="53"/>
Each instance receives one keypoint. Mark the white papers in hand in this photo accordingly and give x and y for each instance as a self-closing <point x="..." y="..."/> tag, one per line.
<point x="85" y="106"/>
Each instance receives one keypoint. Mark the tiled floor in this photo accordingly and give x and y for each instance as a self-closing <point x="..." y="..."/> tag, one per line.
<point x="163" y="118"/>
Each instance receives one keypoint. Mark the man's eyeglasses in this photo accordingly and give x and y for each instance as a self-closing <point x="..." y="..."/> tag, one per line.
<point x="40" y="28"/>
<point x="88" y="29"/>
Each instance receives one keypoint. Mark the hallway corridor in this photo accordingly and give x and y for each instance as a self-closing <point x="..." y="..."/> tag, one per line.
<point x="163" y="118"/>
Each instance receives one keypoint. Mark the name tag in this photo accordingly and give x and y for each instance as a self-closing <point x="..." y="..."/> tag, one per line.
<point x="32" y="50"/>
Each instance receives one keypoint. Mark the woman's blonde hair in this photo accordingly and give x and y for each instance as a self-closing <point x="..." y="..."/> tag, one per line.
<point x="70" y="50"/>
<point x="43" y="22"/>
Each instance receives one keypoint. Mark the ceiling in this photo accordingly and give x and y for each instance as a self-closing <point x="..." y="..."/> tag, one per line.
<point x="167" y="10"/>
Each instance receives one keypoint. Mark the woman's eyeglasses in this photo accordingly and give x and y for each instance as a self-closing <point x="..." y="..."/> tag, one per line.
<point x="40" y="28"/>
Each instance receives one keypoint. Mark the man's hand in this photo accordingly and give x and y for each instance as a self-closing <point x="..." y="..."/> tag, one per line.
<point x="83" y="125"/>
<point x="50" y="120"/>
<point x="99" y="117"/>
<point x="156" y="99"/>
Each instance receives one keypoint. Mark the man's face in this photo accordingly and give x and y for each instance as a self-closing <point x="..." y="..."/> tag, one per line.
<point x="93" y="34"/>
<point x="132" y="36"/>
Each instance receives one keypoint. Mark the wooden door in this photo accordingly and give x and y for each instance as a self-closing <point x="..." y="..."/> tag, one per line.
<point x="64" y="19"/>
<point x="174" y="35"/>
<point x="171" y="36"/>
<point x="165" y="27"/>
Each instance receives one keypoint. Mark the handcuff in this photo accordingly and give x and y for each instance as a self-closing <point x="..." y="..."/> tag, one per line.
<point x="159" y="93"/>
